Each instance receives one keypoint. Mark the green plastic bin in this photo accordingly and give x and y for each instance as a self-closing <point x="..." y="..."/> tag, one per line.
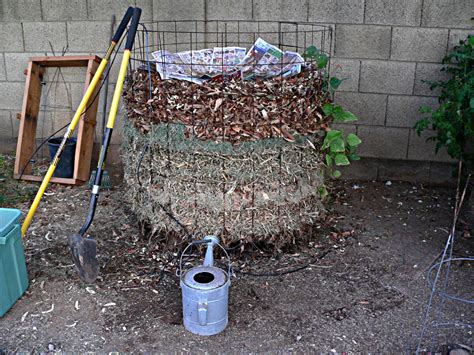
<point x="13" y="275"/>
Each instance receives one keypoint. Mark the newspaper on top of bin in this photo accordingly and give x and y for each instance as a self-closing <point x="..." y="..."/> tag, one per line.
<point x="263" y="60"/>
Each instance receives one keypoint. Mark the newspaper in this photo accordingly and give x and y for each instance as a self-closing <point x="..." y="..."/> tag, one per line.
<point x="263" y="60"/>
<point x="226" y="59"/>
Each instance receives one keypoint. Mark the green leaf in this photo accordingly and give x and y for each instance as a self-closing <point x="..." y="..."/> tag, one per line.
<point x="335" y="82"/>
<point x="421" y="125"/>
<point x="341" y="159"/>
<point x="328" y="109"/>
<point x="471" y="102"/>
<point x="328" y="160"/>
<point x="337" y="145"/>
<point x="341" y="115"/>
<point x="323" y="60"/>
<point x="330" y="136"/>
<point x="323" y="192"/>
<point x="352" y="140"/>
<point x="336" y="174"/>
<point x="471" y="40"/>
<point x="311" y="52"/>
<point x="354" y="157"/>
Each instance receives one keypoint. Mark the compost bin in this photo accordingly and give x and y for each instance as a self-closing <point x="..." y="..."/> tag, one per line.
<point x="230" y="152"/>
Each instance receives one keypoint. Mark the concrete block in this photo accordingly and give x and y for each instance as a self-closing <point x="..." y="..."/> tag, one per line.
<point x="361" y="41"/>
<point x="347" y="69"/>
<point x="421" y="149"/>
<point x="323" y="36"/>
<point x="16" y="63"/>
<point x="426" y="72"/>
<point x="369" y="108"/>
<point x="280" y="10"/>
<point x="336" y="11"/>
<point x="387" y="77"/>
<point x="229" y="9"/>
<point x="7" y="129"/>
<point x="117" y="136"/>
<point x="241" y="34"/>
<point x="114" y="71"/>
<point x="11" y="96"/>
<point x="77" y="91"/>
<point x="8" y="146"/>
<point x="88" y="36"/>
<point x="3" y="74"/>
<point x="448" y="13"/>
<point x="11" y="35"/>
<point x="404" y="111"/>
<point x="104" y="9"/>
<point x="419" y="44"/>
<point x="364" y="169"/>
<point x="68" y="75"/>
<point x="20" y="10"/>
<point x="389" y="12"/>
<point x="57" y="97"/>
<point x="455" y="36"/>
<point x="442" y="173"/>
<point x="46" y="125"/>
<point x="383" y="142"/>
<point x="185" y="35"/>
<point x="165" y="10"/>
<point x="60" y="10"/>
<point x="39" y="34"/>
<point x="404" y="170"/>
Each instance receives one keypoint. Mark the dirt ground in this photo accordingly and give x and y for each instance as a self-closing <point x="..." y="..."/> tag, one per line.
<point x="365" y="290"/>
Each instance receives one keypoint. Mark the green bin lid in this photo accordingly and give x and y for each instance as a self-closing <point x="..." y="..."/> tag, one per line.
<point x="8" y="218"/>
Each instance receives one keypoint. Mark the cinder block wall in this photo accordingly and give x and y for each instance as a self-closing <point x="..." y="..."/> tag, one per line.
<point x="385" y="49"/>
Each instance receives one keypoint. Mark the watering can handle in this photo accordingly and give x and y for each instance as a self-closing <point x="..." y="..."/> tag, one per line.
<point x="202" y="312"/>
<point x="229" y="265"/>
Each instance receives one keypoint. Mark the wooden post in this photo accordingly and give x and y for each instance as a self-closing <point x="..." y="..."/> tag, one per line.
<point x="29" y="117"/>
<point x="85" y="140"/>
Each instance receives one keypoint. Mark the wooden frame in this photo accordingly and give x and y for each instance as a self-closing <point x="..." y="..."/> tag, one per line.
<point x="29" y="118"/>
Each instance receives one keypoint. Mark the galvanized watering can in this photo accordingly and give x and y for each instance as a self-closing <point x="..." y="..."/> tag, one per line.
<point x="205" y="292"/>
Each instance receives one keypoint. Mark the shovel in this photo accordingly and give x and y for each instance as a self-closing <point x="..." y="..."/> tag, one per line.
<point x="84" y="249"/>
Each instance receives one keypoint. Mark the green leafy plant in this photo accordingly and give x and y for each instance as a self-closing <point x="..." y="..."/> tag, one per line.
<point x="314" y="54"/>
<point x="338" y="148"/>
<point x="453" y="120"/>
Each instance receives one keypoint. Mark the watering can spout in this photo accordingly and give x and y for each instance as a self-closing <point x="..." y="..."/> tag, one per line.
<point x="211" y="240"/>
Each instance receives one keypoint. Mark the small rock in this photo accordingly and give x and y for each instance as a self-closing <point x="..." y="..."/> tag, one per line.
<point x="459" y="352"/>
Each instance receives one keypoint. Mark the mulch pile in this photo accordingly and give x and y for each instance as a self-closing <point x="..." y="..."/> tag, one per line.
<point x="231" y="110"/>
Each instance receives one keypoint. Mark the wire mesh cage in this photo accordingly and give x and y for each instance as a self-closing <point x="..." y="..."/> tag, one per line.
<point x="176" y="36"/>
<point x="225" y="121"/>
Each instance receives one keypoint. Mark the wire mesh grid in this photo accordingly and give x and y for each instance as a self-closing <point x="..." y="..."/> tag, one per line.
<point x="266" y="170"/>
<point x="176" y="36"/>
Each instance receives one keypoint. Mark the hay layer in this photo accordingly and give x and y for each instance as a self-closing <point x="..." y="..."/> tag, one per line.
<point x="262" y="191"/>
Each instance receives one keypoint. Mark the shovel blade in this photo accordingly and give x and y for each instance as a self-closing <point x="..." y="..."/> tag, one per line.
<point x="84" y="254"/>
